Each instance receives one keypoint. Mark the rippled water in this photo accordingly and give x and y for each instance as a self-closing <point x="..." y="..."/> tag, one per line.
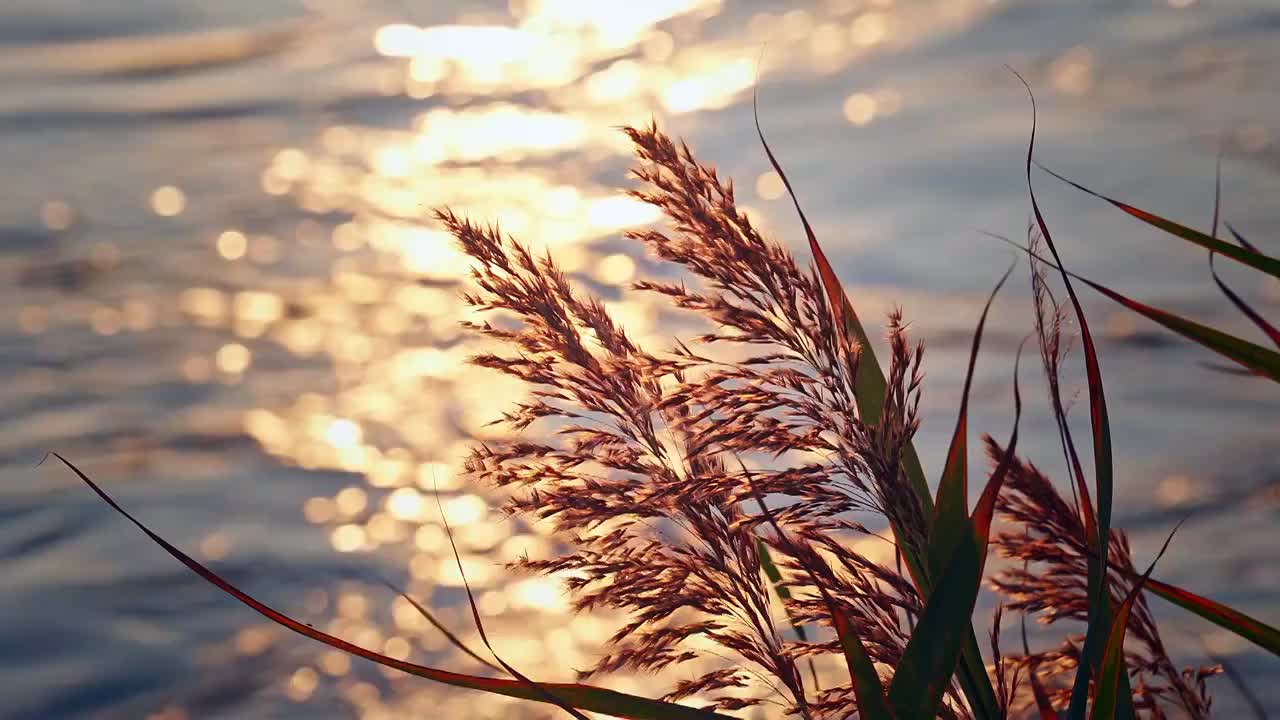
<point x="224" y="299"/>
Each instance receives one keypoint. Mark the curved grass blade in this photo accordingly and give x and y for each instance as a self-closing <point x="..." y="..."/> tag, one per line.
<point x="1107" y="698"/>
<point x="1252" y="258"/>
<point x="1112" y="698"/>
<point x="870" y="386"/>
<point x="930" y="658"/>
<point x="932" y="652"/>
<point x="435" y="622"/>
<point x="984" y="511"/>
<point x="1267" y="328"/>
<point x="1049" y="339"/>
<point x="1240" y="239"/>
<point x="585" y="697"/>
<point x="1235" y="299"/>
<point x="547" y="695"/>
<point x="951" y="507"/>
<point x="869" y="394"/>
<point x="1098" y="613"/>
<point x="1249" y="628"/>
<point x="1253" y="358"/>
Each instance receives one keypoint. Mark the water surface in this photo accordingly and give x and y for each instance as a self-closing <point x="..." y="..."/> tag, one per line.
<point x="225" y="300"/>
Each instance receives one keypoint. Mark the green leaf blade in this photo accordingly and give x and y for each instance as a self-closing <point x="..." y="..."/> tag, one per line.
<point x="1100" y="426"/>
<point x="869" y="394"/>
<point x="932" y="652"/>
<point x="867" y="688"/>
<point x="1252" y="357"/>
<point x="951" y="508"/>
<point x="1244" y="255"/>
<point x="1228" y="618"/>
<point x="1109" y="695"/>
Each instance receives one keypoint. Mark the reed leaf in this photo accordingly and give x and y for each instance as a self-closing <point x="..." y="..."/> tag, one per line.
<point x="1228" y="618"/>
<point x="1100" y="425"/>
<point x="1245" y="255"/>
<point x="869" y="388"/>
<point x="584" y="697"/>
<point x="950" y="509"/>
<point x="1112" y="698"/>
<point x="930" y="658"/>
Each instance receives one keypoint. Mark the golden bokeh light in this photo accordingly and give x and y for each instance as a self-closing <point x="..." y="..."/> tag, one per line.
<point x="859" y="109"/>
<point x="769" y="185"/>
<point x="869" y="29"/>
<point x="351" y="501"/>
<point x="233" y="358"/>
<point x="232" y="245"/>
<point x="57" y="215"/>
<point x="302" y="684"/>
<point x="168" y="201"/>
<point x="616" y="269"/>
<point x="348" y="538"/>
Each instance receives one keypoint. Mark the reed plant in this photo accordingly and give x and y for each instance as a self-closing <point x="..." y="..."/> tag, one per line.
<point x="710" y="492"/>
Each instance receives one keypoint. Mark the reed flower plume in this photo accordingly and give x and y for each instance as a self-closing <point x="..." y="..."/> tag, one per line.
<point x="709" y="494"/>
<point x="1049" y="540"/>
<point x="648" y="476"/>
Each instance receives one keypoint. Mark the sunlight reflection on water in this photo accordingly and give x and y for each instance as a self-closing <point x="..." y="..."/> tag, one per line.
<point x="390" y="313"/>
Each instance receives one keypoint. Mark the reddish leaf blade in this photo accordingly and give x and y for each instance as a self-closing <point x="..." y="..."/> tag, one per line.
<point x="1107" y="700"/>
<point x="1267" y="328"/>
<point x="984" y="511"/>
<point x="1249" y="628"/>
<point x="1252" y="258"/>
<point x="952" y="505"/>
<point x="1112" y="697"/>
<point x="1102" y="460"/>
<point x="586" y="697"/>
<point x="869" y="393"/>
<point x="932" y="652"/>
<point x="930" y="658"/>
<point x="869" y="383"/>
<point x="1255" y="358"/>
<point x="1048" y="336"/>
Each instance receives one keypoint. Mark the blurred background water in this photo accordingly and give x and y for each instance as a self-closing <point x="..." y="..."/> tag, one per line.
<point x="224" y="298"/>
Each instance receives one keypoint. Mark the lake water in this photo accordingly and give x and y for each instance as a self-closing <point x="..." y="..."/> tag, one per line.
<point x="222" y="298"/>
